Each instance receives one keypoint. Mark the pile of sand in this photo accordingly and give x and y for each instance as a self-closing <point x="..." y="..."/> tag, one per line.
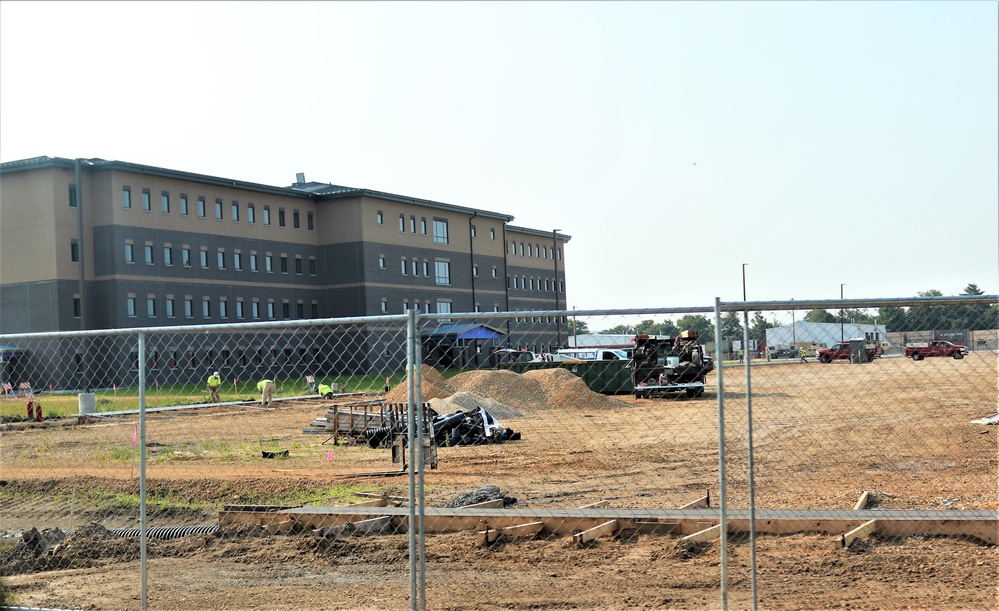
<point x="513" y="393"/>
<point x="434" y="387"/>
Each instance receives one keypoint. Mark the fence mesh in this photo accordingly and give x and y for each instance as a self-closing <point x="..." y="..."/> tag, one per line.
<point x="560" y="450"/>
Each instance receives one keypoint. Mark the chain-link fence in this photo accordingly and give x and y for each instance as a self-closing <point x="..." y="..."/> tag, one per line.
<point x="775" y="455"/>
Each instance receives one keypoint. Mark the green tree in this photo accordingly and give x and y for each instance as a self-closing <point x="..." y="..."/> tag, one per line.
<point x="820" y="315"/>
<point x="758" y="326"/>
<point x="619" y="330"/>
<point x="666" y="327"/>
<point x="577" y="327"/>
<point x="705" y="330"/>
<point x="731" y="324"/>
<point x="893" y="318"/>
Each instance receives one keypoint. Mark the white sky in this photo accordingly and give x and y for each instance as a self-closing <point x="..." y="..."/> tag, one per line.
<point x="819" y="142"/>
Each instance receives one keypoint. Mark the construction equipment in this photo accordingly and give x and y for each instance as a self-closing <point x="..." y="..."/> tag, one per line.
<point x="662" y="365"/>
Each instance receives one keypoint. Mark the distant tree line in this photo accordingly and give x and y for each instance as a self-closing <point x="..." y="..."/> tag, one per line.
<point x="921" y="318"/>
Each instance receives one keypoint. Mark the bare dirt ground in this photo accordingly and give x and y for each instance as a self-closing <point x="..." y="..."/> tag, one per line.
<point x="823" y="434"/>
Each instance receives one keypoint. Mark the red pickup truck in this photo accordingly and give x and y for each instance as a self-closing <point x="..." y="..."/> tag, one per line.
<point x="841" y="351"/>
<point x="921" y="350"/>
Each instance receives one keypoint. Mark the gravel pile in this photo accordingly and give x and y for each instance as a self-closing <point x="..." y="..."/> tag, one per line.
<point x="434" y="387"/>
<point x="468" y="402"/>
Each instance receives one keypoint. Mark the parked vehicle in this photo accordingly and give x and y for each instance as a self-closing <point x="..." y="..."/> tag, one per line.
<point x="591" y="354"/>
<point x="663" y="365"/>
<point x="920" y="350"/>
<point x="842" y="351"/>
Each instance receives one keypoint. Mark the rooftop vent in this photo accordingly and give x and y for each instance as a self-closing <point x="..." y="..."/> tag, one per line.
<point x="300" y="178"/>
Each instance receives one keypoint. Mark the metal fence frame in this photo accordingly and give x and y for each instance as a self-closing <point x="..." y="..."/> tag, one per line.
<point x="417" y="511"/>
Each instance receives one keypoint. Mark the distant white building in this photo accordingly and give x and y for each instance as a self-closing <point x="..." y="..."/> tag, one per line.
<point x="827" y="333"/>
<point x="602" y="340"/>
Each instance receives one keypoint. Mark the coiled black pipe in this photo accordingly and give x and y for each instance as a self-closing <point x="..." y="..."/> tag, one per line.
<point x="164" y="532"/>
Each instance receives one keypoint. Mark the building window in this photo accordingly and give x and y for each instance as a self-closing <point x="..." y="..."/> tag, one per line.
<point x="251" y="213"/>
<point x="295" y="220"/>
<point x="402" y="223"/>
<point x="300" y="309"/>
<point x="521" y="249"/>
<point x="381" y="218"/>
<point x="220" y="259"/>
<point x="412" y="224"/>
<point x="169" y="308"/>
<point x="443" y="307"/>
<point x="183" y="205"/>
<point x="310" y="222"/>
<point x="129" y="254"/>
<point x="416" y="268"/>
<point x="165" y="202"/>
<point x="492" y="234"/>
<point x="513" y="248"/>
<point x="426" y="269"/>
<point x="204" y="259"/>
<point x="72" y="196"/>
<point x="286" y="310"/>
<point x="189" y="308"/>
<point x="151" y="307"/>
<point x="239" y="309"/>
<point x="235" y="212"/>
<point x="298" y="265"/>
<point x="381" y="262"/>
<point x="384" y="306"/>
<point x="473" y="231"/>
<point x="147" y="201"/>
<point x="74" y="251"/>
<point x="126" y="197"/>
<point x="280" y="217"/>
<point x="312" y="267"/>
<point x="475" y="271"/>
<point x="440" y="231"/>
<point x="149" y="254"/>
<point x="76" y="307"/>
<point x="223" y="309"/>
<point x="206" y="308"/>
<point x="267" y="215"/>
<point x="185" y="257"/>
<point x="253" y="261"/>
<point x="237" y="261"/>
<point x="255" y="309"/>
<point x="130" y="304"/>
<point x="495" y="273"/>
<point x="167" y="255"/>
<point x="404" y="267"/>
<point x="284" y="264"/>
<point x="270" y="309"/>
<point x="201" y="208"/>
<point x="218" y="210"/>
<point x="443" y="272"/>
<point x="268" y="263"/>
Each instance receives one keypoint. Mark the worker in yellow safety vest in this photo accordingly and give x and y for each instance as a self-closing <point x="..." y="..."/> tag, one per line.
<point x="266" y="388"/>
<point x="804" y="353"/>
<point x="325" y="391"/>
<point x="214" y="383"/>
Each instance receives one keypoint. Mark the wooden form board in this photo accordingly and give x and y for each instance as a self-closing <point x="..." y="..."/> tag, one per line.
<point x="981" y="525"/>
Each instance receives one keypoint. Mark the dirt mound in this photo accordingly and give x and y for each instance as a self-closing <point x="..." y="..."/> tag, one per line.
<point x="540" y="389"/>
<point x="564" y="390"/>
<point x="434" y="387"/>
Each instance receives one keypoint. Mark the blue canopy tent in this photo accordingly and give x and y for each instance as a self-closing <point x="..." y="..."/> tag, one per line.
<point x="459" y="345"/>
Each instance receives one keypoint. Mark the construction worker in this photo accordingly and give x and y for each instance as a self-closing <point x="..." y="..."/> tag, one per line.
<point x="325" y="391"/>
<point x="214" y="383"/>
<point x="768" y="354"/>
<point x="804" y="353"/>
<point x="741" y="355"/>
<point x="266" y="388"/>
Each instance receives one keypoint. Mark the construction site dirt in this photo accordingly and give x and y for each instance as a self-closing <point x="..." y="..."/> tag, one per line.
<point x="824" y="434"/>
